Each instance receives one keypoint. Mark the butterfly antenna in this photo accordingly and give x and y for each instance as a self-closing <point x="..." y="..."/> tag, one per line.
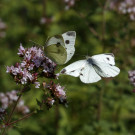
<point x="87" y="53"/>
<point x="46" y="40"/>
<point x="40" y="46"/>
<point x="81" y="55"/>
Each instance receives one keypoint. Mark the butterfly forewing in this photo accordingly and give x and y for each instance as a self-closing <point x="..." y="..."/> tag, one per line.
<point x="104" y="65"/>
<point x="106" y="70"/>
<point x="69" y="40"/>
<point x="106" y="58"/>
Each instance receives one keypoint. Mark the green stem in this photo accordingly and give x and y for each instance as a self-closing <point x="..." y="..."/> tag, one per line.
<point x="26" y="116"/>
<point x="10" y="116"/>
<point x="99" y="111"/>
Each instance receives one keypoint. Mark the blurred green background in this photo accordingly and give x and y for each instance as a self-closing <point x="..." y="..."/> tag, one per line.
<point x="103" y="108"/>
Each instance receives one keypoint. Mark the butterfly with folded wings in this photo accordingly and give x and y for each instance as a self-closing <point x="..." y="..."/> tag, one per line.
<point x="60" y="48"/>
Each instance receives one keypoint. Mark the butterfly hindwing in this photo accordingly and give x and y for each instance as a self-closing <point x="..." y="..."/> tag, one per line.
<point x="89" y="75"/>
<point x="74" y="69"/>
<point x="55" y="50"/>
<point x="83" y="70"/>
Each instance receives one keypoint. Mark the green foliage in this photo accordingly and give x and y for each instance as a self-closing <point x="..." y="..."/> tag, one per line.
<point x="102" y="108"/>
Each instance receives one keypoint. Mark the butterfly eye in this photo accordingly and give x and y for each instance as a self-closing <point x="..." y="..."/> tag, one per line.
<point x="63" y="71"/>
<point x="67" y="41"/>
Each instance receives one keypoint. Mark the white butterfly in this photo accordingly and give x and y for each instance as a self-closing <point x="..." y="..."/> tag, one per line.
<point x="93" y="68"/>
<point x="60" y="48"/>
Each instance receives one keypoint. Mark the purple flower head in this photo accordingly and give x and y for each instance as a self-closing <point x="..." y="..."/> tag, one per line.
<point x="22" y="108"/>
<point x="8" y="69"/>
<point x="34" y="64"/>
<point x="57" y="92"/>
<point x="69" y="3"/>
<point x="131" y="75"/>
<point x="124" y="7"/>
<point x="21" y="51"/>
<point x="8" y="98"/>
<point x="37" y="84"/>
<point x="49" y="102"/>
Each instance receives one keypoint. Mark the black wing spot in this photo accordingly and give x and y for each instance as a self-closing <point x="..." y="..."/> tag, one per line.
<point x="67" y="41"/>
<point x="81" y="74"/>
<point x="58" y="44"/>
<point x="110" y="64"/>
<point x="107" y="58"/>
<point x="73" y="71"/>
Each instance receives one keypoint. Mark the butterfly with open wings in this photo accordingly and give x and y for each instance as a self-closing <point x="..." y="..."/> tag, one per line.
<point x="93" y="68"/>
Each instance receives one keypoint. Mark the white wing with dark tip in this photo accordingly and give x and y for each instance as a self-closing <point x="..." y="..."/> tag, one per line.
<point x="69" y="40"/>
<point x="104" y="64"/>
<point x="106" y="58"/>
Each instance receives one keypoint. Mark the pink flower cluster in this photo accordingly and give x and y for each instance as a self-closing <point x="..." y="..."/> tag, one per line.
<point x="69" y="3"/>
<point x="56" y="93"/>
<point x="124" y="7"/>
<point x="46" y="20"/>
<point x="34" y="64"/>
<point x="131" y="75"/>
<point x="9" y="98"/>
<point x="49" y="102"/>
